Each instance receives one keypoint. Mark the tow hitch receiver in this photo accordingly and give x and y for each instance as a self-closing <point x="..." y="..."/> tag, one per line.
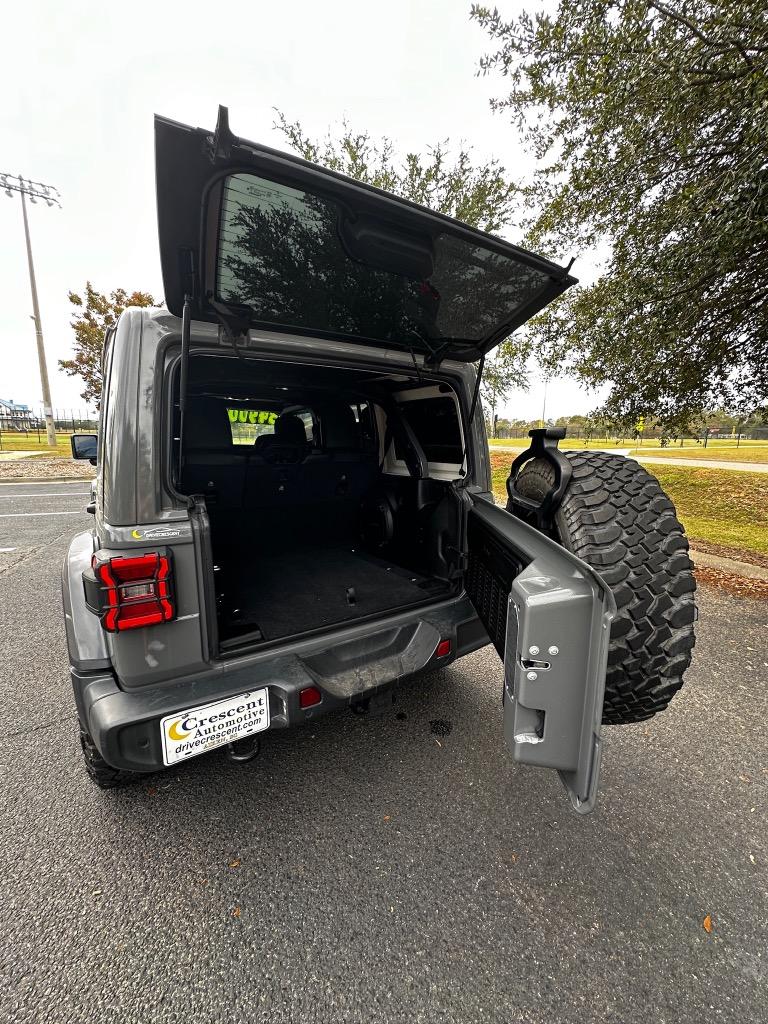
<point x="244" y="750"/>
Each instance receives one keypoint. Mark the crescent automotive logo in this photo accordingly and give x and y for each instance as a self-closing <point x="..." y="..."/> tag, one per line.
<point x="155" y="533"/>
<point x="181" y="728"/>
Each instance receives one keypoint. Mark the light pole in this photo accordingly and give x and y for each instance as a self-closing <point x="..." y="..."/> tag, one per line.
<point x="544" y="405"/>
<point x="35" y="190"/>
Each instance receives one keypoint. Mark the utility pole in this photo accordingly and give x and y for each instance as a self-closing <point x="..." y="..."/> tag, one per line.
<point x="544" y="405"/>
<point x="35" y="190"/>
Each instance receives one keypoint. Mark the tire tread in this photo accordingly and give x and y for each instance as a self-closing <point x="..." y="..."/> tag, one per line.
<point x="616" y="517"/>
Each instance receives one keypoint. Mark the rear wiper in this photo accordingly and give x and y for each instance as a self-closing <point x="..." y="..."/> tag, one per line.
<point x="235" y="319"/>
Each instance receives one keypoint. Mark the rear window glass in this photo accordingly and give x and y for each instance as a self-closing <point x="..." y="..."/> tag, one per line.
<point x="281" y="253"/>
<point x="435" y="423"/>
<point x="248" y="424"/>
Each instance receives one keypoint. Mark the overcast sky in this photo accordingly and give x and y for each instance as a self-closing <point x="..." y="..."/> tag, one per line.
<point x="81" y="82"/>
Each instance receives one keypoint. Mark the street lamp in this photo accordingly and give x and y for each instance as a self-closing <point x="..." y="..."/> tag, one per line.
<point x="544" y="405"/>
<point x="35" y="190"/>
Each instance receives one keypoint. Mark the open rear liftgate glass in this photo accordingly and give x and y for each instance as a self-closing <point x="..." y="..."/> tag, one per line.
<point x="548" y="615"/>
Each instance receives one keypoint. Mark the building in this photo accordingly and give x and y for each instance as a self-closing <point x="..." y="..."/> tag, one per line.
<point x="14" y="416"/>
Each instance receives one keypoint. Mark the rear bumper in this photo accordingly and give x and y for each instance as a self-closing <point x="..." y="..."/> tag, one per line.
<point x="125" y="725"/>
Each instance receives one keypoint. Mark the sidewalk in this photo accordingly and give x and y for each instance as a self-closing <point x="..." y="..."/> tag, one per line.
<point x="744" y="467"/>
<point x="14" y="456"/>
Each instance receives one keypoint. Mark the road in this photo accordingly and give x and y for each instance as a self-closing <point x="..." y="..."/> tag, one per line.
<point x="661" y="460"/>
<point x="369" y="870"/>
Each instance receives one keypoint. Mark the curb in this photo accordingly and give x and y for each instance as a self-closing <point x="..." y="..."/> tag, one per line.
<point x="45" y="480"/>
<point x="731" y="565"/>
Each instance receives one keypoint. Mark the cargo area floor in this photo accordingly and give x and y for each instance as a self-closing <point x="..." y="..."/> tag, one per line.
<point x="285" y="593"/>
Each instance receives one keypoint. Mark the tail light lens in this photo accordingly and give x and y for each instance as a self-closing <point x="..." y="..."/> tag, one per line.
<point x="128" y="593"/>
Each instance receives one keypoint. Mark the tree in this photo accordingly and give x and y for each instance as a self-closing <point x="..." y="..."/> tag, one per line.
<point x="481" y="195"/>
<point x="502" y="371"/>
<point x="98" y="312"/>
<point x="649" y="123"/>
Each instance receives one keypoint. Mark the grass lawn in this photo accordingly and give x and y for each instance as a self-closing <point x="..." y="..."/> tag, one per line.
<point x="13" y="441"/>
<point x="718" y="506"/>
<point x="723" y="453"/>
<point x="568" y="442"/>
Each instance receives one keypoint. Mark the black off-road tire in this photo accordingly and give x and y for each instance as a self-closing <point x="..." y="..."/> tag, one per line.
<point x="103" y="774"/>
<point x="616" y="517"/>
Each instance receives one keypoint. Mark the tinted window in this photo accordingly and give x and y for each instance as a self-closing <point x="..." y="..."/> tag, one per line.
<point x="281" y="253"/>
<point x="248" y="424"/>
<point x="435" y="423"/>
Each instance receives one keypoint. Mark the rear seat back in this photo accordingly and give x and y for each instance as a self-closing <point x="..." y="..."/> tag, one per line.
<point x="352" y="469"/>
<point x="213" y="466"/>
<point x="320" y="493"/>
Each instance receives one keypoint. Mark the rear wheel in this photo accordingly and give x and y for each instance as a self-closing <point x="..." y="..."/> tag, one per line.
<point x="103" y="774"/>
<point x="616" y="517"/>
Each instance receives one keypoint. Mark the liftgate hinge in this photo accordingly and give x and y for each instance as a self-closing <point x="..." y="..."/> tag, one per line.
<point x="235" y="321"/>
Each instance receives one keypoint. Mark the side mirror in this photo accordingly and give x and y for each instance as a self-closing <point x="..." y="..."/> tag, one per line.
<point x="84" y="446"/>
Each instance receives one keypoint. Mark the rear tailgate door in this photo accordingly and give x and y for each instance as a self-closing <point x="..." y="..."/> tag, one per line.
<point x="548" y="615"/>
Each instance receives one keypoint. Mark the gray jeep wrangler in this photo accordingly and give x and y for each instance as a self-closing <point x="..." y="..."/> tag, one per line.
<point x="293" y="507"/>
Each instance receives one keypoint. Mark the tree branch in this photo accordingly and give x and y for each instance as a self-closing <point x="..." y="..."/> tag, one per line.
<point x="682" y="20"/>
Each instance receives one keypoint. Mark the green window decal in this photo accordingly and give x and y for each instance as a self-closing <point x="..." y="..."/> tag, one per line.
<point x="248" y="424"/>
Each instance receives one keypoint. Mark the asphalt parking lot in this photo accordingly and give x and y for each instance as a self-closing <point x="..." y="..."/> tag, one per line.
<point x="367" y="869"/>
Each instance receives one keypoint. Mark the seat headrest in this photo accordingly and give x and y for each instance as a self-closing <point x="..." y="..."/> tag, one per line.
<point x="206" y="425"/>
<point x="340" y="429"/>
<point x="289" y="429"/>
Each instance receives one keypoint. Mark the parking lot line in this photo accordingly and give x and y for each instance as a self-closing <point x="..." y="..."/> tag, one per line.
<point x="19" y="515"/>
<point x="62" y="481"/>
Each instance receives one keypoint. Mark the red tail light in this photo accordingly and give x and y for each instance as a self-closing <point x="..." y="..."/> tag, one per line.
<point x="127" y="593"/>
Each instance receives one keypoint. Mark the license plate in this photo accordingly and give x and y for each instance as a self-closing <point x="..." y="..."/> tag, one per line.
<point x="198" y="730"/>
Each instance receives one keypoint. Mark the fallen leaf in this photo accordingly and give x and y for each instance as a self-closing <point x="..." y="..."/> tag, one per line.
<point x="707" y="923"/>
<point x="752" y="858"/>
<point x="738" y="586"/>
<point x="236" y="912"/>
<point x="387" y="817"/>
<point x="151" y="790"/>
<point x="513" y="857"/>
<point x="234" y="863"/>
<point x="745" y="778"/>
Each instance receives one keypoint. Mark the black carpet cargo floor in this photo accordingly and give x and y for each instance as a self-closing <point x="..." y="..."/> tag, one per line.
<point x="290" y="592"/>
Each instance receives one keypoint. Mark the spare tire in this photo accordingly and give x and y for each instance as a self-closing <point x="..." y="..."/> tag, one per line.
<point x="616" y="517"/>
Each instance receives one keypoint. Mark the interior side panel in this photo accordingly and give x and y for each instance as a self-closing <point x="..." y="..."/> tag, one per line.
<point x="488" y="581"/>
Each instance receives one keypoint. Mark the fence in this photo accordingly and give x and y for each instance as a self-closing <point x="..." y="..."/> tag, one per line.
<point x="18" y="431"/>
<point x="654" y="437"/>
